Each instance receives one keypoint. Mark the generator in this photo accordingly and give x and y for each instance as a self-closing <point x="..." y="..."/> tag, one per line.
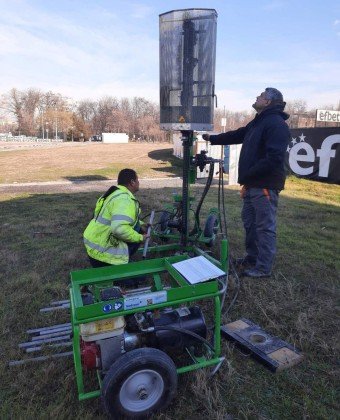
<point x="137" y="340"/>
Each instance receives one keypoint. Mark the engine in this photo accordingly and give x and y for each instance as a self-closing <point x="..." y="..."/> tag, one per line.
<point x="170" y="330"/>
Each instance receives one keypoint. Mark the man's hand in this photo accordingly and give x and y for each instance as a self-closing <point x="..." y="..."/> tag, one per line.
<point x="145" y="236"/>
<point x="206" y="137"/>
<point x="144" y="228"/>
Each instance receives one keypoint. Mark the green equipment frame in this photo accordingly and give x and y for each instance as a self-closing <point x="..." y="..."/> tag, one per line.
<point x="179" y="292"/>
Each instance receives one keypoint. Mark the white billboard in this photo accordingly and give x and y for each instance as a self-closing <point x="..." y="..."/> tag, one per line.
<point x="327" y="115"/>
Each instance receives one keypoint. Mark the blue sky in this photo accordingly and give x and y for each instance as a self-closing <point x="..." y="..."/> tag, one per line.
<point x="89" y="49"/>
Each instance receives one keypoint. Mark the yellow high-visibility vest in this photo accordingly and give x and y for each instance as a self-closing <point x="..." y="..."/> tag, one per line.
<point x="112" y="226"/>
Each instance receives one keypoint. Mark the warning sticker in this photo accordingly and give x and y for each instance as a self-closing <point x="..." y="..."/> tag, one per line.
<point x="145" y="299"/>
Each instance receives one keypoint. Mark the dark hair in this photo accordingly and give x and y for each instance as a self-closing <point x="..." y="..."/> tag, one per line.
<point x="125" y="176"/>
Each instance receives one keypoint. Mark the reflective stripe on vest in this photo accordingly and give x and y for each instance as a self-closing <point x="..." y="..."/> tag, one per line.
<point x="122" y="217"/>
<point x="103" y="221"/>
<point x="109" y="250"/>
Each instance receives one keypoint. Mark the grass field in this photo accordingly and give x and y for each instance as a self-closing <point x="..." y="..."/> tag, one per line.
<point x="87" y="161"/>
<point x="41" y="238"/>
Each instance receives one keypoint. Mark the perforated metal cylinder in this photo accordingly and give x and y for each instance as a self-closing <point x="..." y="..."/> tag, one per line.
<point x="187" y="69"/>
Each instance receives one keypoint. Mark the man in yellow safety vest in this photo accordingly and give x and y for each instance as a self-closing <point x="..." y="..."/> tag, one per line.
<point x="115" y="232"/>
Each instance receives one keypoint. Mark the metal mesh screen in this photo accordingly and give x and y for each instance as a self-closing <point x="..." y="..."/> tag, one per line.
<point x="187" y="69"/>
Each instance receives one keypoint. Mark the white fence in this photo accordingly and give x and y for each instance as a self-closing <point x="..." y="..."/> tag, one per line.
<point x="27" y="139"/>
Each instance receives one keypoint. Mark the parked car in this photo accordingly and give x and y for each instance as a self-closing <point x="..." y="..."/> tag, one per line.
<point x="96" y="138"/>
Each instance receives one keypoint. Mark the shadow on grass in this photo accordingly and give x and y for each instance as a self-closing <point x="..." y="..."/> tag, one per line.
<point x="41" y="237"/>
<point x="84" y="178"/>
<point x="166" y="157"/>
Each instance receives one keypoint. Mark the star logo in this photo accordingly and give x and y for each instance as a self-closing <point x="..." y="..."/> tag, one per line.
<point x="295" y="142"/>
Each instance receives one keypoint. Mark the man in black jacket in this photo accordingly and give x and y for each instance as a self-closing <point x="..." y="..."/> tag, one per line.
<point x="262" y="175"/>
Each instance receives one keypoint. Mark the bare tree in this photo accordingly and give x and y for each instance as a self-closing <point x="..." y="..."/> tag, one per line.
<point x="104" y="112"/>
<point x="86" y="109"/>
<point x="24" y="105"/>
<point x="234" y="120"/>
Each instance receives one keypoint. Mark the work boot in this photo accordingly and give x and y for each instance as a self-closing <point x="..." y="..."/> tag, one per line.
<point x="245" y="262"/>
<point x="255" y="273"/>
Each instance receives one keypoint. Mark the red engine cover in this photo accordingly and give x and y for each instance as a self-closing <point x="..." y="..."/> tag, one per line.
<point x="90" y="355"/>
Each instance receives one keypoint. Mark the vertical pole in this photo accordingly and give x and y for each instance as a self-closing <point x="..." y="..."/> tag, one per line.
<point x="224" y="255"/>
<point x="316" y="113"/>
<point x="43" y="128"/>
<point x="187" y="141"/>
<point x="217" y="332"/>
<point x="224" y="122"/>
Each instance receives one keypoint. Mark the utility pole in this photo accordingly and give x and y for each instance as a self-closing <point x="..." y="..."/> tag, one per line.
<point x="56" y="121"/>
<point x="223" y="124"/>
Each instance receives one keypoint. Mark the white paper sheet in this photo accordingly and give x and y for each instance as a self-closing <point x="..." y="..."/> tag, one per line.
<point x="198" y="269"/>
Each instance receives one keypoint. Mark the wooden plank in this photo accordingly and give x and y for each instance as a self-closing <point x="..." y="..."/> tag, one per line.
<point x="237" y="325"/>
<point x="286" y="357"/>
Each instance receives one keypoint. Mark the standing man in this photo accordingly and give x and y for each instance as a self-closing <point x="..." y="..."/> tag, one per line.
<point x="262" y="176"/>
<point x="112" y="236"/>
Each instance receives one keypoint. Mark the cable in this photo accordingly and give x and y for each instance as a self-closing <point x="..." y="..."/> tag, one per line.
<point x="219" y="199"/>
<point x="187" y="332"/>
<point x="224" y="289"/>
<point x="224" y="231"/>
<point x="238" y="285"/>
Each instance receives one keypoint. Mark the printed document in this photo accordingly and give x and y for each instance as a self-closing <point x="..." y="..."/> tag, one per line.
<point x="198" y="269"/>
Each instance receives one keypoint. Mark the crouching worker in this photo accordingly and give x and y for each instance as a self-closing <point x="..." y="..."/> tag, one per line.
<point x="115" y="232"/>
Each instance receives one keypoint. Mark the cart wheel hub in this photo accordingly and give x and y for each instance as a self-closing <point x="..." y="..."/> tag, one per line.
<point x="141" y="390"/>
<point x="143" y="394"/>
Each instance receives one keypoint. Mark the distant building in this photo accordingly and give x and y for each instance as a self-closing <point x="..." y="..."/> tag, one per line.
<point x="115" y="138"/>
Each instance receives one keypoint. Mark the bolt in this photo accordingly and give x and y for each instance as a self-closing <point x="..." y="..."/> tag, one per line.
<point x="143" y="395"/>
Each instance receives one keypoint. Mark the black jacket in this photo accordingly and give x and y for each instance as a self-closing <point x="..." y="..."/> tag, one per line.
<point x="264" y="143"/>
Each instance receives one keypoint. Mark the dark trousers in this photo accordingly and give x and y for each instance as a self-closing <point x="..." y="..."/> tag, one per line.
<point x="122" y="283"/>
<point x="97" y="263"/>
<point x="259" y="221"/>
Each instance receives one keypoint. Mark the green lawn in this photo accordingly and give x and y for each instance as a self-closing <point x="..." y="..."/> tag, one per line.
<point x="41" y="238"/>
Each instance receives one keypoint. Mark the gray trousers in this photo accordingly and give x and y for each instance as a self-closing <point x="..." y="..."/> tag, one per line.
<point x="259" y="221"/>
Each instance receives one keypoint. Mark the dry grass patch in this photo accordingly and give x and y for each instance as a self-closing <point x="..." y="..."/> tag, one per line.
<point x="87" y="161"/>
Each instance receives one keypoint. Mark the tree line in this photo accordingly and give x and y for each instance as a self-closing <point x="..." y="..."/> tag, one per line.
<point x="51" y="115"/>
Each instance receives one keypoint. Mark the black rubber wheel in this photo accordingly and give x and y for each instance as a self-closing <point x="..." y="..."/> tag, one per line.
<point x="139" y="383"/>
<point x="211" y="226"/>
<point x="163" y="221"/>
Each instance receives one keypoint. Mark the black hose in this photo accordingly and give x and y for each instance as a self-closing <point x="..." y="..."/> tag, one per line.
<point x="187" y="332"/>
<point x="205" y="192"/>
